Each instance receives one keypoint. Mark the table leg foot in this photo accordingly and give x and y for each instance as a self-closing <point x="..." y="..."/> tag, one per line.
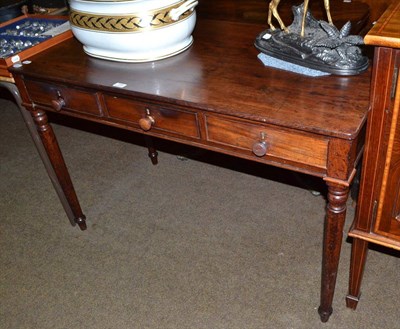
<point x="352" y="301"/>
<point x="81" y="221"/>
<point x="153" y="154"/>
<point x="359" y="252"/>
<point x="325" y="314"/>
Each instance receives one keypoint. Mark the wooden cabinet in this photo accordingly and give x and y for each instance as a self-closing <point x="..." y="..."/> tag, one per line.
<point x="377" y="7"/>
<point x="378" y="213"/>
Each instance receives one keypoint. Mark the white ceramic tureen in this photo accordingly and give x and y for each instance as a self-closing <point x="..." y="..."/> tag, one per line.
<point x="133" y="30"/>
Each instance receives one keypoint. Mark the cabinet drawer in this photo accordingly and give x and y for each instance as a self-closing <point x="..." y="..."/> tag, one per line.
<point x="70" y="99"/>
<point x="284" y="144"/>
<point x="175" y="121"/>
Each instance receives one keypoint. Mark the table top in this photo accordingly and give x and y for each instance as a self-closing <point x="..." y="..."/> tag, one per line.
<point x="386" y="32"/>
<point x="219" y="73"/>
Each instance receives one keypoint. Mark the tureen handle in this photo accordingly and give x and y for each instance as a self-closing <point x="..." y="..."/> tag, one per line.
<point x="177" y="12"/>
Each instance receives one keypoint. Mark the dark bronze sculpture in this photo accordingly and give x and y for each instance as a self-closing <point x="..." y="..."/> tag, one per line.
<point x="311" y="43"/>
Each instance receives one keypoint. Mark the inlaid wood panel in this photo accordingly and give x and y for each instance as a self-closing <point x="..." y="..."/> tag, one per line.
<point x="386" y="32"/>
<point x="388" y="217"/>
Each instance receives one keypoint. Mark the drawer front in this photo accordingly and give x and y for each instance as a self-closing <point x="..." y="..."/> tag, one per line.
<point x="175" y="121"/>
<point x="69" y="99"/>
<point x="287" y="145"/>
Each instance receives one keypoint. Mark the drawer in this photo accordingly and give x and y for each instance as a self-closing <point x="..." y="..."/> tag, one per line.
<point x="284" y="144"/>
<point x="63" y="98"/>
<point x="164" y="120"/>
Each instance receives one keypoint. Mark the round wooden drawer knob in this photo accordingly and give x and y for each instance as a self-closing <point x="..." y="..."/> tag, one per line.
<point x="260" y="148"/>
<point x="58" y="104"/>
<point x="147" y="122"/>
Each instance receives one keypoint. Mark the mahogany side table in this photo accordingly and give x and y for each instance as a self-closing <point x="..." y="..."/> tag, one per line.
<point x="218" y="96"/>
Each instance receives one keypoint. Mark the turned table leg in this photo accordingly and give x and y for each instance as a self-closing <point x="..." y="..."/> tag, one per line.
<point x="39" y="146"/>
<point x="333" y="233"/>
<point x="359" y="252"/>
<point x="53" y="151"/>
<point x="153" y="154"/>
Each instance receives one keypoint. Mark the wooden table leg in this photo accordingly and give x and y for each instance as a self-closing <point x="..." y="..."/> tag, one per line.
<point x="54" y="154"/>
<point x="39" y="146"/>
<point x="333" y="233"/>
<point x="359" y="252"/>
<point x="153" y="154"/>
